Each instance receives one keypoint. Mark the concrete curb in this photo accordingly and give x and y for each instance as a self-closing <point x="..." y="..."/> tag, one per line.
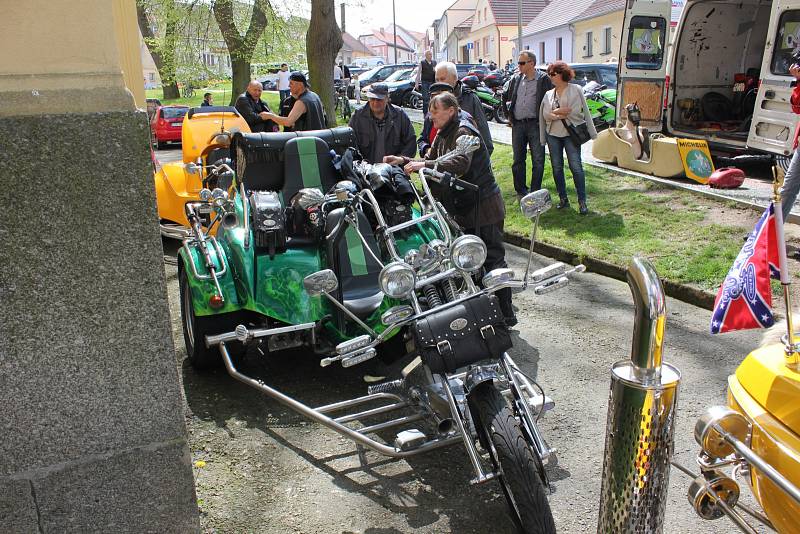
<point x="691" y="295"/>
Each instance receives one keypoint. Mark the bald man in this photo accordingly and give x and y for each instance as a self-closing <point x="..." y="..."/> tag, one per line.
<point x="255" y="111"/>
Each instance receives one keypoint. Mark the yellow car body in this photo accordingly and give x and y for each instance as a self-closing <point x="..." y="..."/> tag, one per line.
<point x="766" y="390"/>
<point x="205" y="132"/>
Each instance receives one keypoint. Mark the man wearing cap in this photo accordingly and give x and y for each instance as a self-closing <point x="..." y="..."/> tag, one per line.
<point x="254" y="110"/>
<point x="467" y="100"/>
<point x="307" y="112"/>
<point x="382" y="128"/>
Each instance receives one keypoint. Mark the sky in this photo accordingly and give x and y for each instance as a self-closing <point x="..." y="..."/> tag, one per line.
<point x="361" y="16"/>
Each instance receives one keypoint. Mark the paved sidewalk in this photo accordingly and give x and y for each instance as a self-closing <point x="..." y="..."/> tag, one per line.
<point x="755" y="192"/>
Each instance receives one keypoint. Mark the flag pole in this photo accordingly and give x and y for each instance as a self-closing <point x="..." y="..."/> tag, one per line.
<point x="792" y="356"/>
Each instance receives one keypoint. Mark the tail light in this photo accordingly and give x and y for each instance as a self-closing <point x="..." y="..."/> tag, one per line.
<point x="666" y="90"/>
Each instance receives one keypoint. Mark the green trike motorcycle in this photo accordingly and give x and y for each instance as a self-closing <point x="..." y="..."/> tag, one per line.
<point x="356" y="265"/>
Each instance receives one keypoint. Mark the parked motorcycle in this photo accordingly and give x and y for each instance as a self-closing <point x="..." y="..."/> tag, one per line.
<point x="602" y="104"/>
<point x="492" y="103"/>
<point x="344" y="263"/>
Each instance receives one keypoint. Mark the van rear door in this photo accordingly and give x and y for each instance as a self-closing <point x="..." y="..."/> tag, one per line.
<point x="643" y="60"/>
<point x="773" y="124"/>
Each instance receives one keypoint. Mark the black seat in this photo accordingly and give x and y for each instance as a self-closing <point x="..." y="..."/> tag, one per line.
<point x="307" y="163"/>
<point x="354" y="266"/>
<point x="260" y="157"/>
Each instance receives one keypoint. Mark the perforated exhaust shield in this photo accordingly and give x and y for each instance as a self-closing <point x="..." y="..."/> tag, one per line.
<point x="641" y="418"/>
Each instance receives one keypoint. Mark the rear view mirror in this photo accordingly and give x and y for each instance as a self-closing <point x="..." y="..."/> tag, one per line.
<point x="320" y="282"/>
<point x="536" y="203"/>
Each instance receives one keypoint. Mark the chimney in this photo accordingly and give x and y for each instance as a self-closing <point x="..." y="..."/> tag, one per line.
<point x="342" y="17"/>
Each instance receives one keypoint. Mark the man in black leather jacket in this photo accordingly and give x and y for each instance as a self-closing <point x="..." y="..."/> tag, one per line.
<point x="382" y="128"/>
<point x="254" y="110"/>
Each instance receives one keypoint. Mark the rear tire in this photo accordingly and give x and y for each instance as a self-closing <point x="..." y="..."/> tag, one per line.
<point x="195" y="329"/>
<point x="489" y="112"/>
<point x="414" y="101"/>
<point x="512" y="457"/>
<point x="161" y="145"/>
<point x="501" y="115"/>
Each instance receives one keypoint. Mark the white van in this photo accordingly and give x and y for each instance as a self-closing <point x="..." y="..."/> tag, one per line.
<point x="724" y="77"/>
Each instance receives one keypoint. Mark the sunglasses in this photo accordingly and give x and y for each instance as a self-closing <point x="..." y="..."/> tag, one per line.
<point x="522" y="62"/>
<point x="554" y="74"/>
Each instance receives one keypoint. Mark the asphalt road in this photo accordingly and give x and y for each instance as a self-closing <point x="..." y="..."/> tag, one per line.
<point x="268" y="470"/>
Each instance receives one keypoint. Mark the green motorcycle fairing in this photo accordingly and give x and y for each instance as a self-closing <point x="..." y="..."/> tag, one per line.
<point x="273" y="287"/>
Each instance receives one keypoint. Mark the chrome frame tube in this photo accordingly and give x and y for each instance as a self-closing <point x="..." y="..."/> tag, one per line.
<point x="759" y="463"/>
<point x="259" y="332"/>
<point x="357" y="401"/>
<point x="373" y="411"/>
<point x="389" y="424"/>
<point x="312" y="414"/>
<point x="353" y="316"/>
<point x="472" y="452"/>
<point x="545" y="452"/>
<point x="530" y="253"/>
<point x="245" y="216"/>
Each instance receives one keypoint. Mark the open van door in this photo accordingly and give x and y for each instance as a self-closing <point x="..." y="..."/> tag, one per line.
<point x="643" y="60"/>
<point x="773" y="123"/>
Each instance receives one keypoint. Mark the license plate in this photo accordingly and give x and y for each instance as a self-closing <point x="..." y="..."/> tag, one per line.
<point x="177" y="124"/>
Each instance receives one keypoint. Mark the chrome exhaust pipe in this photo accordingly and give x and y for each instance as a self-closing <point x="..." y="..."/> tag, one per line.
<point x="641" y="418"/>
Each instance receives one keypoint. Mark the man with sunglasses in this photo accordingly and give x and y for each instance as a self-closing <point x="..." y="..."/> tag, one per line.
<point x="522" y="100"/>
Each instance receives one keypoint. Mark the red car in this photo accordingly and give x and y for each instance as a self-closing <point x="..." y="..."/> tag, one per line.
<point x="166" y="124"/>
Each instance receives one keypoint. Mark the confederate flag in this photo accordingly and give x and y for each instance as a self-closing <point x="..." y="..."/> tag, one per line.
<point x="745" y="298"/>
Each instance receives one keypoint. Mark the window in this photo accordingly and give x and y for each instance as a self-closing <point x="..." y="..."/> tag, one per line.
<point x="607" y="40"/>
<point x="787" y="42"/>
<point x="477" y="48"/>
<point x="479" y="16"/>
<point x="486" y="46"/>
<point x="584" y="76"/>
<point x="559" y="48"/>
<point x="152" y="76"/>
<point x="645" y="49"/>
<point x="541" y="52"/>
<point x="587" y="50"/>
<point x="484" y="14"/>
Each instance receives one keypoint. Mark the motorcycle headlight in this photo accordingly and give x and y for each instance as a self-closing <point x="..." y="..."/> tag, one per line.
<point x="468" y="253"/>
<point x="397" y="279"/>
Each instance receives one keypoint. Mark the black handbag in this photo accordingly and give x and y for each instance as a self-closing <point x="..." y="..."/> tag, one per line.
<point x="464" y="334"/>
<point x="579" y="134"/>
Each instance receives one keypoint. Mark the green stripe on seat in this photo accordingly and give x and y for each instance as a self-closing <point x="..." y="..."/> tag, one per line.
<point x="355" y="251"/>
<point x="309" y="164"/>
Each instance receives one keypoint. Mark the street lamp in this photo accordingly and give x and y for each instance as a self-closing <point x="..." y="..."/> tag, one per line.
<point x="394" y="31"/>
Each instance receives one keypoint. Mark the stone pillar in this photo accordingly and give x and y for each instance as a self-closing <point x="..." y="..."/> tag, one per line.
<point x="92" y="431"/>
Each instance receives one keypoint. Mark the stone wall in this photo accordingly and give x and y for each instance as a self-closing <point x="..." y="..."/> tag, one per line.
<point x="92" y="426"/>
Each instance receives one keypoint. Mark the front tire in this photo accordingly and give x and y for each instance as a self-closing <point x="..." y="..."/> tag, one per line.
<point x="414" y="101"/>
<point x="195" y="330"/>
<point x="512" y="457"/>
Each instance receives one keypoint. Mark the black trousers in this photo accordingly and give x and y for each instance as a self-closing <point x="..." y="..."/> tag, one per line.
<point x="492" y="236"/>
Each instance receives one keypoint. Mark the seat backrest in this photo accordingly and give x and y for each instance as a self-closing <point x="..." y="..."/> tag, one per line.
<point x="259" y="159"/>
<point x="307" y="163"/>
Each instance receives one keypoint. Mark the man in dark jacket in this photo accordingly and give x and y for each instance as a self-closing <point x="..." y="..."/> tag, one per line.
<point x="382" y="128"/>
<point x="307" y="112"/>
<point x="467" y="100"/>
<point x="426" y="75"/>
<point x="523" y="98"/>
<point x="254" y="110"/>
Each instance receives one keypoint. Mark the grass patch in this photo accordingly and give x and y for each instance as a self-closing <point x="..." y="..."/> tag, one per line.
<point x="628" y="217"/>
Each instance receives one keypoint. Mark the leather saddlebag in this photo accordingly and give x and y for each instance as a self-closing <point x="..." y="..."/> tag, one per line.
<point x="464" y="334"/>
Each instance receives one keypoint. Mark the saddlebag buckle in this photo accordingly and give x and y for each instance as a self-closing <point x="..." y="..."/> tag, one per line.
<point x="441" y="344"/>
<point x="485" y="329"/>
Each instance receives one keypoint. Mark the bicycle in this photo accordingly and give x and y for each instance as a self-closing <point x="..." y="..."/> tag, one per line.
<point x="188" y="91"/>
<point x="342" y="106"/>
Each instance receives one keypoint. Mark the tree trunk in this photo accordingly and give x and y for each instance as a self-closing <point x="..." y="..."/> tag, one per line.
<point x="241" y="77"/>
<point x="163" y="52"/>
<point x="240" y="47"/>
<point x="323" y="42"/>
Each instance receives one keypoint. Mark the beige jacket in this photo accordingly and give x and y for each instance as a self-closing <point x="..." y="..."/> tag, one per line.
<point x="571" y="98"/>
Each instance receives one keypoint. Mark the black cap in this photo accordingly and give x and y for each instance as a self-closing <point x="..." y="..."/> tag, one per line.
<point x="378" y="90"/>
<point x="440" y="87"/>
<point x="298" y="76"/>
